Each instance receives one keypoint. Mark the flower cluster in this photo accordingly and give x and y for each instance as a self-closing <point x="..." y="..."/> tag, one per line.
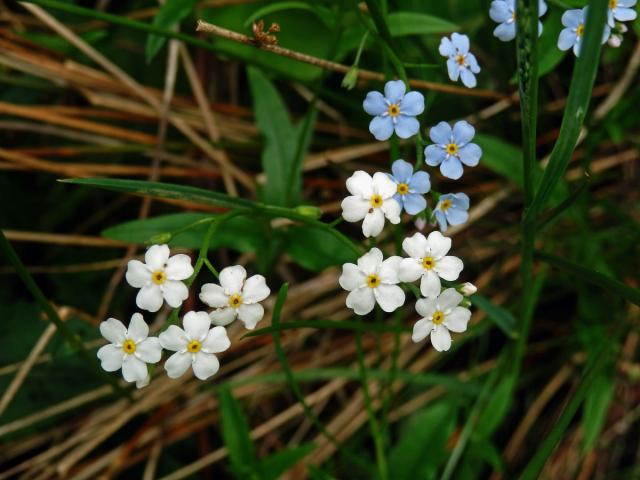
<point x="161" y="278"/>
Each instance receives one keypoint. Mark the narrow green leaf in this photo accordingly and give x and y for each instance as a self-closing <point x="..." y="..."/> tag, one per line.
<point x="275" y="465"/>
<point x="235" y="432"/>
<point x="169" y="14"/>
<point x="502" y="317"/>
<point x="315" y="249"/>
<point x="496" y="407"/>
<point x="596" y="405"/>
<point x="414" y="23"/>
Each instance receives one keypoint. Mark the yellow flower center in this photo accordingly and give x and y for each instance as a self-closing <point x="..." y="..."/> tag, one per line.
<point x="194" y="346"/>
<point x="445" y="205"/>
<point x="158" y="277"/>
<point x="393" y="110"/>
<point x="428" y="263"/>
<point x="580" y="30"/>
<point x="235" y="300"/>
<point x="129" y="347"/>
<point x="438" y="317"/>
<point x="373" y="281"/>
<point x="613" y="4"/>
<point x="403" y="188"/>
<point x="376" y="201"/>
<point x="460" y="60"/>
<point x="452" y="149"/>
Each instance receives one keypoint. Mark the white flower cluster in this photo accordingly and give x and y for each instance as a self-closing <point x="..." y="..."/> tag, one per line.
<point x="161" y="278"/>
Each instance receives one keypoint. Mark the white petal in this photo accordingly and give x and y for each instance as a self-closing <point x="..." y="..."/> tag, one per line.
<point x="113" y="330"/>
<point x="415" y="246"/>
<point x="430" y="284"/>
<point x="255" y="289"/>
<point x="354" y="208"/>
<point x="137" y="274"/>
<point x="389" y="270"/>
<point x="213" y="295"/>
<point x="232" y="278"/>
<point x="457" y="320"/>
<point x="149" y="350"/>
<point x="173" y="338"/>
<point x="206" y="365"/>
<point x="392" y="209"/>
<point x="360" y="184"/>
<point x="156" y="257"/>
<point x="216" y="341"/>
<point x="410" y="270"/>
<point x="439" y="245"/>
<point x="351" y="277"/>
<point x="223" y="316"/>
<point x="425" y="307"/>
<point x="383" y="185"/>
<point x="373" y="223"/>
<point x="110" y="357"/>
<point x="441" y="338"/>
<point x="134" y="369"/>
<point x="179" y="267"/>
<point x="196" y="325"/>
<point x="175" y="292"/>
<point x="149" y="298"/>
<point x="361" y="300"/>
<point x="421" y="330"/>
<point x="138" y="329"/>
<point x="449" y="268"/>
<point x="449" y="299"/>
<point x="389" y="297"/>
<point x="250" y="314"/>
<point x="143" y="383"/>
<point x="370" y="262"/>
<point x="177" y="364"/>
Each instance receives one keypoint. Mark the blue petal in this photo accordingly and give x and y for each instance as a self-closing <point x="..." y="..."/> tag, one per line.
<point x="459" y="200"/>
<point x="453" y="69"/>
<point x="399" y="198"/>
<point x="567" y="39"/>
<point x="505" y="32"/>
<point x="374" y="103"/>
<point x="406" y="126"/>
<point x="456" y="217"/>
<point x="381" y="127"/>
<point x="412" y="104"/>
<point x="468" y="78"/>
<point x="434" y="155"/>
<point x="572" y="18"/>
<point x="470" y="154"/>
<point x="441" y="133"/>
<point x="461" y="42"/>
<point x="402" y="171"/>
<point x="542" y="8"/>
<point x="420" y="182"/>
<point x="414" y="203"/>
<point x="499" y="11"/>
<point x="446" y="48"/>
<point x="463" y="132"/>
<point x="441" y="219"/>
<point x="394" y="90"/>
<point x="451" y="168"/>
<point x="472" y="62"/>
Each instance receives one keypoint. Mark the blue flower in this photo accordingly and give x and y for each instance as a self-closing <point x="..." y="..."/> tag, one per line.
<point x="452" y="208"/>
<point x="621" y="10"/>
<point x="410" y="187"/>
<point x="452" y="148"/>
<point x="504" y="12"/>
<point x="461" y="64"/>
<point x="394" y="111"/>
<point x="571" y="36"/>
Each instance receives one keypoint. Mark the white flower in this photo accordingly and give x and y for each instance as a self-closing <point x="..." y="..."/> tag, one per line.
<point x="236" y="297"/>
<point x="372" y="280"/>
<point x="372" y="200"/>
<point x="440" y="315"/>
<point x="130" y="349"/>
<point x="194" y="346"/>
<point x="159" y="277"/>
<point x="468" y="289"/>
<point x="429" y="261"/>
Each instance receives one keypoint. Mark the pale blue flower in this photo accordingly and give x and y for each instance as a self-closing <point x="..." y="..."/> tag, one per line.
<point x="504" y="13"/>
<point x="410" y="187"/>
<point x="572" y="34"/>
<point x="621" y="10"/>
<point x="461" y="63"/>
<point x="452" y="209"/>
<point x="394" y="111"/>
<point x="452" y="148"/>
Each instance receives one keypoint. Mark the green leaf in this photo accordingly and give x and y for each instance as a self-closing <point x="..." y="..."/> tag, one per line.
<point x="322" y="13"/>
<point x="169" y="14"/>
<point x="502" y="317"/>
<point x="496" y="408"/>
<point x="413" y="23"/>
<point x="315" y="249"/>
<point x="275" y="465"/>
<point x="596" y="405"/>
<point x="236" y="435"/>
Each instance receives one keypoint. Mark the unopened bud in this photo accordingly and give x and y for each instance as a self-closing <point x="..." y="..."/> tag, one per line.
<point x="160" y="238"/>
<point x="350" y="79"/>
<point x="309" y="211"/>
<point x="420" y="223"/>
<point x="468" y="289"/>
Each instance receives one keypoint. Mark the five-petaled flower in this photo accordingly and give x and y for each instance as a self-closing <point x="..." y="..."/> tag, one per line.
<point x="410" y="187"/>
<point x="394" y="111"/>
<point x="461" y="63"/>
<point x="452" y="148"/>
<point x="439" y="316"/>
<point x="159" y="277"/>
<point x="572" y="34"/>
<point x="195" y="346"/>
<point x="621" y="10"/>
<point x="130" y="348"/>
<point x="372" y="280"/>
<point x="372" y="200"/>
<point x="452" y="208"/>
<point x="504" y="13"/>
<point x="236" y="296"/>
<point x="429" y="262"/>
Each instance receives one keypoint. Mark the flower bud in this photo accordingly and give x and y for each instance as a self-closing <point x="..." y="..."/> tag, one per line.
<point x="309" y="211"/>
<point x="350" y="79"/>
<point x="420" y="223"/>
<point x="468" y="289"/>
<point x="160" y="238"/>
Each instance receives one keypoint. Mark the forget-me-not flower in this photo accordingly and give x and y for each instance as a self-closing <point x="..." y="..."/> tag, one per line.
<point x="452" y="148"/>
<point x="571" y="35"/>
<point x="410" y="187"/>
<point x="504" y="13"/>
<point x="394" y="111"/>
<point x="461" y="63"/>
<point x="621" y="10"/>
<point x="452" y="208"/>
